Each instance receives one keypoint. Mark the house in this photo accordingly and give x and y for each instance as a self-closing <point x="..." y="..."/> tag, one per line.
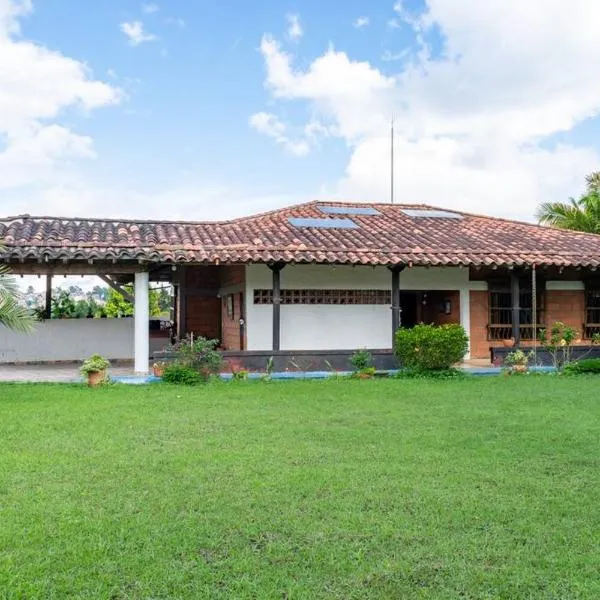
<point x="321" y="277"/>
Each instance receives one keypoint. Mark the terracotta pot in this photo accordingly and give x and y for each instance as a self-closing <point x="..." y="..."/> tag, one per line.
<point x="158" y="371"/>
<point x="96" y="379"/>
<point x="519" y="368"/>
<point x="508" y="343"/>
<point x="365" y="375"/>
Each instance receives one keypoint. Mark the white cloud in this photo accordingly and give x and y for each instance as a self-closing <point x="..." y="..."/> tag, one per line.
<point x="36" y="86"/>
<point x="149" y="8"/>
<point x="295" y="31"/>
<point x="10" y="12"/>
<point x="361" y="22"/>
<point x="269" y="125"/>
<point x="136" y="34"/>
<point x="472" y="122"/>
<point x="196" y="202"/>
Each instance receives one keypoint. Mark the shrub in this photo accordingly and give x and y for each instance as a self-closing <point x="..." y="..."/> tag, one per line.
<point x="361" y="360"/>
<point x="199" y="354"/>
<point x="181" y="374"/>
<point x="430" y="347"/>
<point x="94" y="364"/>
<point x="586" y="366"/>
<point x="558" y="342"/>
<point x="518" y="361"/>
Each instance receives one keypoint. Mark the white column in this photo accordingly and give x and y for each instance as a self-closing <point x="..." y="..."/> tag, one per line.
<point x="141" y="316"/>
<point x="465" y="315"/>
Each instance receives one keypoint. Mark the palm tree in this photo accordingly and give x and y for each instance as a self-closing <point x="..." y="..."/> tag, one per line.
<point x="582" y="214"/>
<point x="12" y="314"/>
<point x="593" y="181"/>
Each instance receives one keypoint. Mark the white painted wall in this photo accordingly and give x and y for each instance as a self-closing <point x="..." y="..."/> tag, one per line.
<point x="328" y="327"/>
<point x="69" y="339"/>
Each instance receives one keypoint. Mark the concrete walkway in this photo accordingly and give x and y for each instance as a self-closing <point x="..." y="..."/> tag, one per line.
<point x="58" y="373"/>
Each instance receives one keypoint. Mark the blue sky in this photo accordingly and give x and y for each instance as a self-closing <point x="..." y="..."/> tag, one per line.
<point x="216" y="109"/>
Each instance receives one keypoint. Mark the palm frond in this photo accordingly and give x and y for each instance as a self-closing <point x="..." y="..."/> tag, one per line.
<point x="13" y="315"/>
<point x="578" y="215"/>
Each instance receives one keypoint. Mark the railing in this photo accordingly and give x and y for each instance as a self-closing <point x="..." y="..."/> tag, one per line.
<point x="500" y="327"/>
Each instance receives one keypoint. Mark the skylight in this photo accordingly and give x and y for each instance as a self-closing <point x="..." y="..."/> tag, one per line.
<point x="349" y="210"/>
<point x="323" y="223"/>
<point x="417" y="213"/>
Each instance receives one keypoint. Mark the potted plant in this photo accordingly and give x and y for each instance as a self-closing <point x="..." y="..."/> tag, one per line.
<point x="94" y="368"/>
<point x="158" y="368"/>
<point x="509" y="342"/>
<point x="518" y="361"/>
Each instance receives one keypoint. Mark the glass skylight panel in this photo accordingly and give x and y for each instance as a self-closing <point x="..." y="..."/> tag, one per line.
<point x="430" y="214"/>
<point x="349" y="210"/>
<point x="323" y="223"/>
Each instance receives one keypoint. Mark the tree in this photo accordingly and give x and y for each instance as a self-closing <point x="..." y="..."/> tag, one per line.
<point x="116" y="306"/>
<point x="582" y="214"/>
<point x="63" y="305"/>
<point x="12" y="314"/>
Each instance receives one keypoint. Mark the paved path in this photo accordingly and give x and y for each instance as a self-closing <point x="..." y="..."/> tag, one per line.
<point x="60" y="373"/>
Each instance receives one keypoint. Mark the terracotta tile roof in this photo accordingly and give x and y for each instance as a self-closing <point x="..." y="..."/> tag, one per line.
<point x="390" y="237"/>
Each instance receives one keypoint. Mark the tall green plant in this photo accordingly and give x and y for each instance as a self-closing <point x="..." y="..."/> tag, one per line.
<point x="558" y="342"/>
<point x="13" y="314"/>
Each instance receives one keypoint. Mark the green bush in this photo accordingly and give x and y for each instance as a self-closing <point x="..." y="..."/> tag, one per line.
<point x="361" y="360"/>
<point x="585" y="366"/>
<point x="430" y="347"/>
<point x="181" y="374"/>
<point x="200" y="354"/>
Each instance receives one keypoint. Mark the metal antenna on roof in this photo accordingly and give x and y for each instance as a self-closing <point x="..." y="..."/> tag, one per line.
<point x="392" y="162"/>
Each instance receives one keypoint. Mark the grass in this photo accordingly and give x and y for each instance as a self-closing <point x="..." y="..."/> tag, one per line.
<point x="482" y="488"/>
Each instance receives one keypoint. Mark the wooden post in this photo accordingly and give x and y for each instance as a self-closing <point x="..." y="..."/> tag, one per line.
<point x="182" y="322"/>
<point x="48" y="307"/>
<point x="516" y="307"/>
<point x="276" y="271"/>
<point x="242" y="321"/>
<point x="396" y="308"/>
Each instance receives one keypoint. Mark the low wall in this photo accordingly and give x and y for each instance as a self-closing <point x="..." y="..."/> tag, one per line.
<point x="299" y="360"/>
<point x="69" y="340"/>
<point x="543" y="357"/>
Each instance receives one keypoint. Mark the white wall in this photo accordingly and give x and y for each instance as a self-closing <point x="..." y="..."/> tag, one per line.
<point x="69" y="339"/>
<point x="331" y="327"/>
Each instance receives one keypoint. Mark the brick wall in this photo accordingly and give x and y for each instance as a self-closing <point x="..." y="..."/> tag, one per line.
<point x="561" y="305"/>
<point x="567" y="306"/>
<point x="233" y="275"/>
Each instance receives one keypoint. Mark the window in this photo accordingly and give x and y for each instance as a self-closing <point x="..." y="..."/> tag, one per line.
<point x="322" y="223"/>
<point x="325" y="297"/>
<point x="349" y="210"/>
<point x="592" y="309"/>
<point x="500" y="310"/>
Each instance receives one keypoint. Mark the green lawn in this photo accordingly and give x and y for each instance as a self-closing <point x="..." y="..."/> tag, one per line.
<point x="482" y="488"/>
